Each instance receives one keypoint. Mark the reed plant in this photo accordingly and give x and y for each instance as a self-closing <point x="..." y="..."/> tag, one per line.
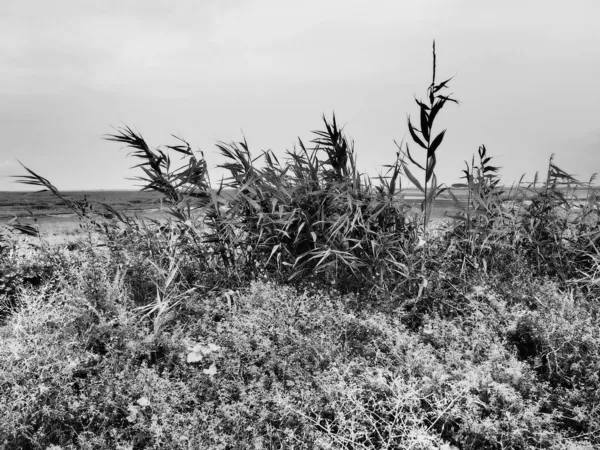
<point x="424" y="138"/>
<point x="560" y="229"/>
<point x="485" y="220"/>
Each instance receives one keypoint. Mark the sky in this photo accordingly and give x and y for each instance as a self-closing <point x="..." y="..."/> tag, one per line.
<point x="526" y="74"/>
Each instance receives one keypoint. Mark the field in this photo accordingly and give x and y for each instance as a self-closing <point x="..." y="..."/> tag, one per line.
<point x="311" y="307"/>
<point x="14" y="203"/>
<point x="45" y="206"/>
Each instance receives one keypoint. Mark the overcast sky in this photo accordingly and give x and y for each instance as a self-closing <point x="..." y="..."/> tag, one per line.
<point x="526" y="73"/>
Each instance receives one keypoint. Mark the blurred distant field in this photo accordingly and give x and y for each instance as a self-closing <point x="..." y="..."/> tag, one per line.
<point x="51" y="213"/>
<point x="46" y="206"/>
<point x="58" y="225"/>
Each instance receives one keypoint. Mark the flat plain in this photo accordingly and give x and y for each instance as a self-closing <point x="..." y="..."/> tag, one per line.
<point x="48" y="208"/>
<point x="43" y="204"/>
<point x="58" y="225"/>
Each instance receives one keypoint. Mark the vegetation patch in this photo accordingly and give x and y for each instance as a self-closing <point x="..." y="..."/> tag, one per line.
<point x="301" y="304"/>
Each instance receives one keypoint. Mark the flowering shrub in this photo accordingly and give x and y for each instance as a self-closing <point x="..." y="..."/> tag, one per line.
<point x="272" y="367"/>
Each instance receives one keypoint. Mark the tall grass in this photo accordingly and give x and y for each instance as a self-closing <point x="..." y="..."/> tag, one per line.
<point x="313" y="216"/>
<point x="425" y="139"/>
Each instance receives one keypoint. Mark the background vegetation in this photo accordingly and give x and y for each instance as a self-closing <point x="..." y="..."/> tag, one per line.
<point x="301" y="304"/>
